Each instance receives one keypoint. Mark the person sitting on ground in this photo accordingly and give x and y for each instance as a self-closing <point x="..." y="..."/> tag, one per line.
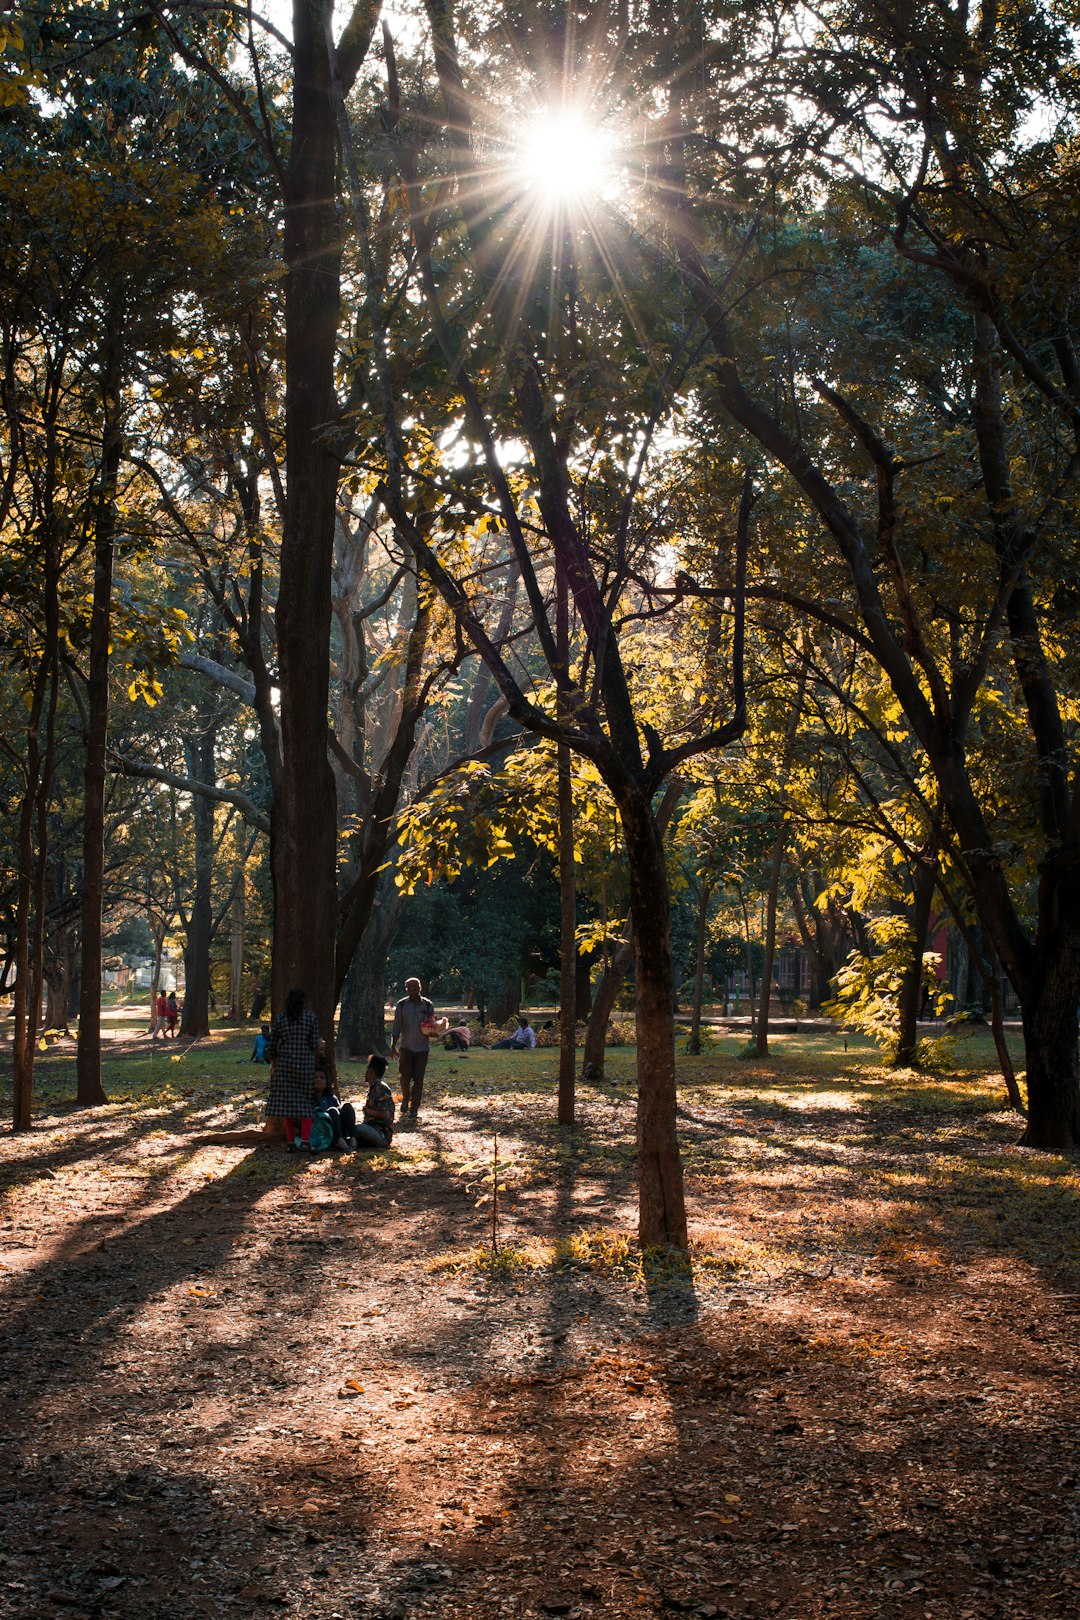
<point x="342" y="1116"/>
<point x="260" y="1052"/>
<point x="376" y="1129"/>
<point x="458" y="1039"/>
<point x="522" y="1040"/>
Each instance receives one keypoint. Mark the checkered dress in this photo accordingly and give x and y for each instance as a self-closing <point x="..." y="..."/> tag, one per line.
<point x="292" y="1047"/>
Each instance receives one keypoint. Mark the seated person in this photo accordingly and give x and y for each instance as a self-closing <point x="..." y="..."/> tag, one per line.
<point x="260" y="1052"/>
<point x="458" y="1039"/>
<point x="522" y="1040"/>
<point x="376" y="1129"/>
<point x="342" y="1116"/>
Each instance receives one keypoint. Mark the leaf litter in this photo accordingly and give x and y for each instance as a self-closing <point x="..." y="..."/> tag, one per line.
<point x="235" y="1385"/>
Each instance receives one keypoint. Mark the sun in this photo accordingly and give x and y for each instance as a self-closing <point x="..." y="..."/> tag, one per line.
<point x="565" y="158"/>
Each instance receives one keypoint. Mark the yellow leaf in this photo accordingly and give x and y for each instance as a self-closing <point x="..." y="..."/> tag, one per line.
<point x="350" y="1383"/>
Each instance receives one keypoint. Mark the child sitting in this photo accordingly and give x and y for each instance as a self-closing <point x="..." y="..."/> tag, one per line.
<point x="376" y="1129"/>
<point x="342" y="1116"/>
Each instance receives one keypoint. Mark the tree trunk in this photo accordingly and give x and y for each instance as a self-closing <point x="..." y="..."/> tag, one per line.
<point x="567" y="883"/>
<point x="90" y="1093"/>
<point x="1048" y="1010"/>
<point x="762" y="1028"/>
<point x="749" y="953"/>
<point x="304" y="841"/>
<point x="199" y="752"/>
<point x="362" y="1029"/>
<point x="30" y="887"/>
<point x="791" y="732"/>
<point x="582" y="987"/>
<point x="911" y="987"/>
<point x="693" y="1045"/>
<point x="662" y="1205"/>
<point x="607" y="993"/>
<point x="236" y="951"/>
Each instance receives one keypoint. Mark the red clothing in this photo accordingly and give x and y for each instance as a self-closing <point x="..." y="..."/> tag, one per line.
<point x="162" y="1006"/>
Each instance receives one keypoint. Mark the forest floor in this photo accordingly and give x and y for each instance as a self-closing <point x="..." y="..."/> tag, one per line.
<point x="238" y="1382"/>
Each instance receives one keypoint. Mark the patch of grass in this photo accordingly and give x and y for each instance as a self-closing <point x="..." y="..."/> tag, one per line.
<point x="604" y="1252"/>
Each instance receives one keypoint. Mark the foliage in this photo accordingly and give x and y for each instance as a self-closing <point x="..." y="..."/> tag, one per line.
<point x="868" y="986"/>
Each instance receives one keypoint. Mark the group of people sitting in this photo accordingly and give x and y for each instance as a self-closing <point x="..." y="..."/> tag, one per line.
<point x="301" y="1093"/>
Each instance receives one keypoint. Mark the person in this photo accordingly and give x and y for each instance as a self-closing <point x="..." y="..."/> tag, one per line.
<point x="376" y="1129"/>
<point x="458" y="1039"/>
<point x="260" y="1052"/>
<point x="160" y="1018"/>
<point x="342" y="1116"/>
<point x="172" y="1013"/>
<point x="294" y="1044"/>
<point x="410" y="1045"/>
<point x="522" y="1040"/>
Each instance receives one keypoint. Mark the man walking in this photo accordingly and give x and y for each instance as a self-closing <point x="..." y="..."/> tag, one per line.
<point x="409" y="1044"/>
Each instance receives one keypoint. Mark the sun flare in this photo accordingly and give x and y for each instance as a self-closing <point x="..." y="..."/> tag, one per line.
<point x="565" y="158"/>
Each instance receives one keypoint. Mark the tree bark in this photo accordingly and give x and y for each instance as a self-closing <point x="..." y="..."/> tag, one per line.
<point x="32" y="850"/>
<point x="199" y="752"/>
<point x="1050" y="1035"/>
<point x="791" y="732"/>
<point x="362" y="1029"/>
<point x="910" y="996"/>
<point x="662" y="1205"/>
<point x="607" y="993"/>
<point x="304" y="842"/>
<point x="568" y="941"/>
<point x="90" y="1092"/>
<point x="582" y="988"/>
<point x="567" y="886"/>
<point x="693" y="1045"/>
<point x="236" y="951"/>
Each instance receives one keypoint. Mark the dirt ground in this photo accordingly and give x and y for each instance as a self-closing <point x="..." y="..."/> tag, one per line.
<point x="236" y="1382"/>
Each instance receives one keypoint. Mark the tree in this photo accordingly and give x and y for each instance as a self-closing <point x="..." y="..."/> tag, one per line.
<point x="512" y="347"/>
<point x="962" y="313"/>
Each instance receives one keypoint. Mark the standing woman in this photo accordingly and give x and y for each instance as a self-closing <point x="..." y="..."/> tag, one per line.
<point x="294" y="1041"/>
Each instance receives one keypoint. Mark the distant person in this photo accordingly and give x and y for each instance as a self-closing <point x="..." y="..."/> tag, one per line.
<point x="260" y="1052"/>
<point x="458" y="1039"/>
<point x="294" y="1044"/>
<point x="160" y="1017"/>
<point x="522" y="1040"/>
<point x="376" y="1129"/>
<point x="172" y="1013"/>
<point x="410" y="1045"/>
